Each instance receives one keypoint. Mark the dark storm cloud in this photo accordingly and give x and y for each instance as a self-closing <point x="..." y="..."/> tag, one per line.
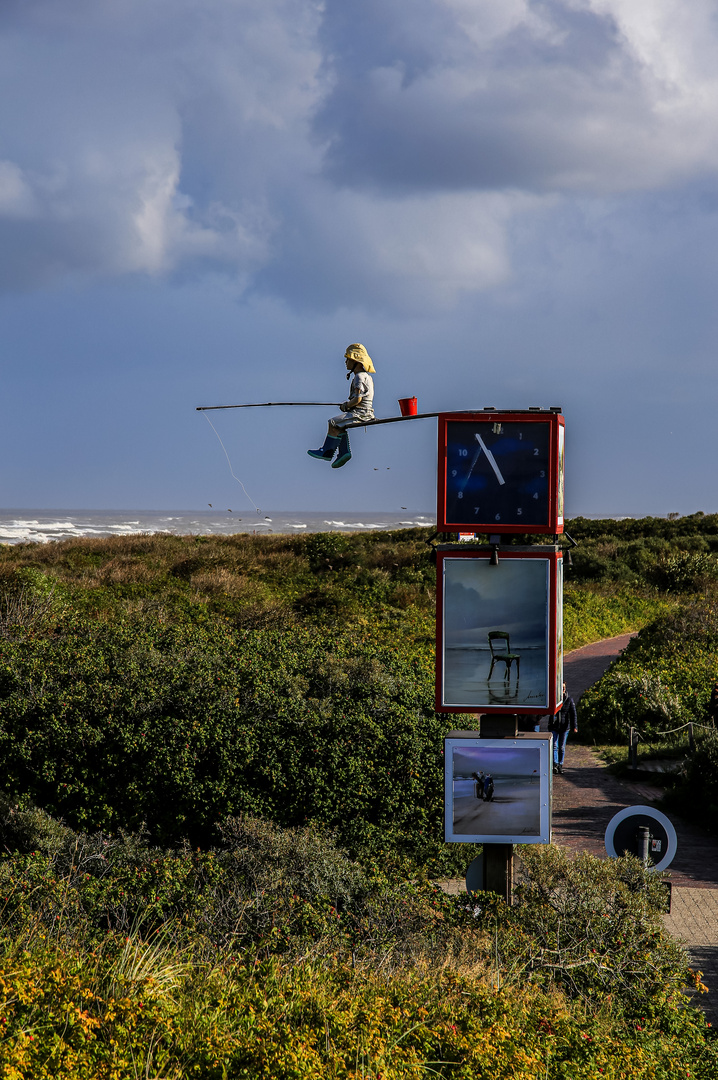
<point x="510" y="596"/>
<point x="552" y="96"/>
<point x="148" y="137"/>
<point x="374" y="154"/>
<point x="429" y="108"/>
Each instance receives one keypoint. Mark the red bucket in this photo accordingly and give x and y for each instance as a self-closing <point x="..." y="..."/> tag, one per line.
<point x="408" y="406"/>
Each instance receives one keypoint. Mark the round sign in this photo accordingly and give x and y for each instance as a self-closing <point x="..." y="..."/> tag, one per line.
<point x="622" y="836"/>
<point x="475" y="875"/>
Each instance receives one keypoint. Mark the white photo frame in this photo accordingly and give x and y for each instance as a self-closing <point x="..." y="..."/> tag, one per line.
<point x="519" y="810"/>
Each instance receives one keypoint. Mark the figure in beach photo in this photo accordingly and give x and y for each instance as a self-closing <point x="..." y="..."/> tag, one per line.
<point x="359" y="406"/>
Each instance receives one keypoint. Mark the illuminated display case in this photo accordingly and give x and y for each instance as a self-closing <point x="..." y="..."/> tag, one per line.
<point x="501" y="472"/>
<point x="499" y="639"/>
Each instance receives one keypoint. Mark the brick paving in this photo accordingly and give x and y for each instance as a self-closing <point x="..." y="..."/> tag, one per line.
<point x="694" y="921"/>
<point x="583" y="667"/>
<point x="587" y="796"/>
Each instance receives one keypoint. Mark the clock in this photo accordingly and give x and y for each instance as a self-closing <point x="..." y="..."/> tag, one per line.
<point x="501" y="472"/>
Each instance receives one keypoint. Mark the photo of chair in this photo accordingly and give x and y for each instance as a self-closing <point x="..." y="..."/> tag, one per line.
<point x="500" y="645"/>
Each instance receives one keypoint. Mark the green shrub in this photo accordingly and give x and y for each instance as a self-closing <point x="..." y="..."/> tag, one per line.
<point x="179" y="727"/>
<point x="696" y="795"/>
<point x="585" y="926"/>
<point x="324" y="550"/>
<point x="246" y="977"/>
<point x="291" y="862"/>
<point x="589" y="615"/>
<point x="684" y="572"/>
<point x="28" y="600"/>
<point x="139" y="1010"/>
<point x="662" y="680"/>
<point x="594" y="927"/>
<point x="623" y="700"/>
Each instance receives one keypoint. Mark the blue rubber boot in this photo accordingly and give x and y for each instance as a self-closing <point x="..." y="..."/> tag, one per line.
<point x="344" y="452"/>
<point x="326" y="452"/>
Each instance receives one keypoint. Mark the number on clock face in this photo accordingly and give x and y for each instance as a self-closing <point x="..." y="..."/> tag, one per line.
<point x="497" y="472"/>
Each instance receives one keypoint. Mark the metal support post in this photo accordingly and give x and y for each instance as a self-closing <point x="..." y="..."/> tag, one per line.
<point x="644" y="837"/>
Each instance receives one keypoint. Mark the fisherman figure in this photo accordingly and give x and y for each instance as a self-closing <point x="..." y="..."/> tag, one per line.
<point x="357" y="407"/>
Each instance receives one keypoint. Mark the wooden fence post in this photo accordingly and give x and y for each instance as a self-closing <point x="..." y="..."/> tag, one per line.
<point x="633" y="748"/>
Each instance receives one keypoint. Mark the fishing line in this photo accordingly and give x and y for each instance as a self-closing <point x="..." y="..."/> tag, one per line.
<point x="214" y="429"/>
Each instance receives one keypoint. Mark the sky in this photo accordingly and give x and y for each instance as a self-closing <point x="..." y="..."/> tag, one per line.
<point x="512" y="596"/>
<point x="202" y="202"/>
<point x="521" y="761"/>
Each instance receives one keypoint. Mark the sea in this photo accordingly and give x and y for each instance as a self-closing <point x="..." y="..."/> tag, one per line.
<point x="44" y="526"/>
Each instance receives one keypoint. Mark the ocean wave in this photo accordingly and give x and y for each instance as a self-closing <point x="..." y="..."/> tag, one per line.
<point x="19" y="526"/>
<point x="355" y="525"/>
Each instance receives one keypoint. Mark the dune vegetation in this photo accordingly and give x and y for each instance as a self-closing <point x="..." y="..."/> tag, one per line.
<point x="221" y="821"/>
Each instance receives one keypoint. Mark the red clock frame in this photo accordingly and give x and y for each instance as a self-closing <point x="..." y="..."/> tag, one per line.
<point x="449" y="686"/>
<point x="554" y="520"/>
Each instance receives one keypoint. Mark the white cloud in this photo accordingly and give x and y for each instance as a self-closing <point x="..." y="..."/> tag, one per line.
<point x="412" y="255"/>
<point x="334" y="154"/>
<point x="676" y="45"/>
<point x="485" y="23"/>
<point x="148" y="137"/>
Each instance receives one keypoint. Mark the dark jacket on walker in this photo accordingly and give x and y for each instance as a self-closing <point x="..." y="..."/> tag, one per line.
<point x="566" y="719"/>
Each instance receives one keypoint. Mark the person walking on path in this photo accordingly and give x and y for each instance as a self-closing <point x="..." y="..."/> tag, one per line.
<point x="565" y="720"/>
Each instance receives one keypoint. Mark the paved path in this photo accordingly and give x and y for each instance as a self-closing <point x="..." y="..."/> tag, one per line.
<point x="587" y="796"/>
<point x="583" y="667"/>
<point x="585" y="799"/>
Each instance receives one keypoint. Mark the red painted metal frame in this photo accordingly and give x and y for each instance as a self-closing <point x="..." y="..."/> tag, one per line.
<point x="554" y="557"/>
<point x="555" y="421"/>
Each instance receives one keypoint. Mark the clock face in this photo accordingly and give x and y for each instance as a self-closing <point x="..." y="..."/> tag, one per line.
<point x="497" y="473"/>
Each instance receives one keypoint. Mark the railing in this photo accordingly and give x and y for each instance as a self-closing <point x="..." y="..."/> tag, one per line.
<point x="634" y="736"/>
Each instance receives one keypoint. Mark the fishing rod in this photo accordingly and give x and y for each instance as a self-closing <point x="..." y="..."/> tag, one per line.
<point x="264" y="405"/>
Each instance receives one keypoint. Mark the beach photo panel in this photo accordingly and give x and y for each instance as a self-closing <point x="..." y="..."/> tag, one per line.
<point x="498" y="790"/>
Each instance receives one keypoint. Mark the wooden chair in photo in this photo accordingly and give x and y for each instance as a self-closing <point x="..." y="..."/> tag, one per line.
<point x="500" y="645"/>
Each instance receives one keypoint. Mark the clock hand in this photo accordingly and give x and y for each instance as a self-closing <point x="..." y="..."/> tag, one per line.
<point x="490" y="456"/>
<point x="471" y="468"/>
